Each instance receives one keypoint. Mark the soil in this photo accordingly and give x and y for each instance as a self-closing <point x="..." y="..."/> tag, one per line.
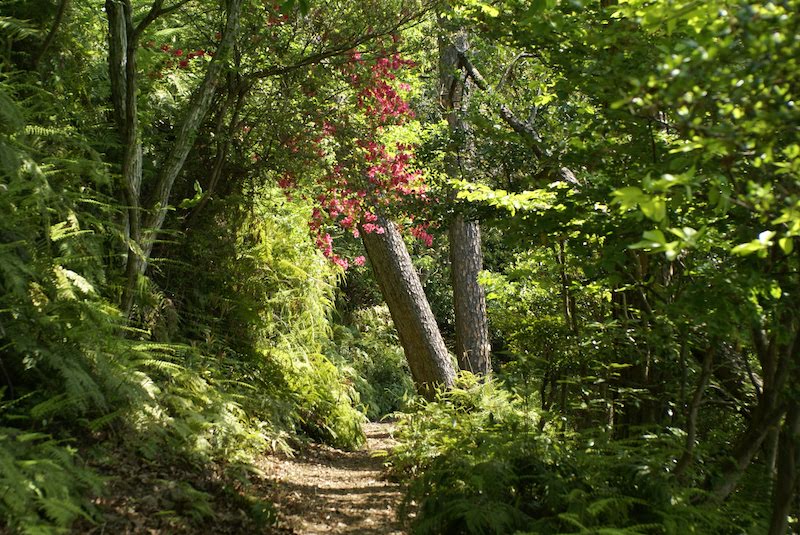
<point x="324" y="490"/>
<point x="318" y="490"/>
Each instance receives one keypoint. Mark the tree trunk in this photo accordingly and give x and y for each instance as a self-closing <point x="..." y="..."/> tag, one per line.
<point x="122" y="70"/>
<point x="777" y="364"/>
<point x="196" y="112"/>
<point x="694" y="409"/>
<point x="466" y="258"/>
<point x="469" y="300"/>
<point x="787" y="480"/>
<point x="141" y="233"/>
<point x="416" y="326"/>
<point x="766" y="415"/>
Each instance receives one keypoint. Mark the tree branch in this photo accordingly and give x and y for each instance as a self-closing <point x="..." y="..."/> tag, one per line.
<point x="197" y="109"/>
<point x="62" y="10"/>
<point x="520" y="127"/>
<point x="340" y="49"/>
<point x="507" y="72"/>
<point x="156" y="10"/>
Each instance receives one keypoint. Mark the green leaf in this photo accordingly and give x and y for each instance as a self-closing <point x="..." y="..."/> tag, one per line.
<point x="652" y="239"/>
<point x="655" y="209"/>
<point x="775" y="290"/>
<point x="749" y="248"/>
<point x="194" y="201"/>
<point x="629" y="197"/>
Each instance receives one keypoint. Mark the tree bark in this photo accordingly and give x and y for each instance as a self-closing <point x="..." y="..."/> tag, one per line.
<point x="122" y="70"/>
<point x="788" y="461"/>
<point x="472" y="328"/>
<point x="416" y="326"/>
<point x="466" y="258"/>
<point x="777" y="365"/>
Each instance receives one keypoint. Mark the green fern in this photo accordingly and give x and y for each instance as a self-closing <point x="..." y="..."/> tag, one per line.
<point x="18" y="29"/>
<point x="41" y="486"/>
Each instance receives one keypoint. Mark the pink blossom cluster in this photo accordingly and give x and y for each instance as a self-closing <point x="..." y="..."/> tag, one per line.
<point x="421" y="233"/>
<point x="373" y="177"/>
<point x="378" y="97"/>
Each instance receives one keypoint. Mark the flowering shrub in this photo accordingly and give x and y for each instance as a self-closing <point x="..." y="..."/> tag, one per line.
<point x="374" y="175"/>
<point x="174" y="58"/>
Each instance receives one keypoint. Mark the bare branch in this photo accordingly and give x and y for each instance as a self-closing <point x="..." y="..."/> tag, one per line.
<point x="341" y="49"/>
<point x="507" y="73"/>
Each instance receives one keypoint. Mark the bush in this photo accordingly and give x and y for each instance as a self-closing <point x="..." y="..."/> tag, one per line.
<point x="371" y="357"/>
<point x="476" y="462"/>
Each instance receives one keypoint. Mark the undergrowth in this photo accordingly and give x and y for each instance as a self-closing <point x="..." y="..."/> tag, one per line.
<point x="475" y="461"/>
<point x="370" y="356"/>
<point x="211" y="372"/>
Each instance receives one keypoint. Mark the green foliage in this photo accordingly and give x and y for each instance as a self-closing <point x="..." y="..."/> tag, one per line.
<point x="477" y="461"/>
<point x="60" y="335"/>
<point x="370" y="356"/>
<point x="42" y="483"/>
<point x="462" y="476"/>
<point x="673" y="237"/>
<point x="261" y="304"/>
<point x="238" y="372"/>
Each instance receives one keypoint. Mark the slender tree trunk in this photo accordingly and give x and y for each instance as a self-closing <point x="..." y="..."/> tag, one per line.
<point x="145" y="222"/>
<point x="766" y="415"/>
<point x="122" y="69"/>
<point x="469" y="300"/>
<point x="694" y="409"/>
<point x="466" y="258"/>
<point x="416" y="326"/>
<point x="788" y="462"/>
<point x="196" y="112"/>
<point x="777" y="366"/>
<point x="51" y="35"/>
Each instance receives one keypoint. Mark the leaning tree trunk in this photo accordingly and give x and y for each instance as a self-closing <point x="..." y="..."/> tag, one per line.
<point x="466" y="258"/>
<point x="416" y="326"/>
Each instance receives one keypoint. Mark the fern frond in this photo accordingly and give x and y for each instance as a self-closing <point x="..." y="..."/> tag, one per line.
<point x="18" y="29"/>
<point x="47" y="131"/>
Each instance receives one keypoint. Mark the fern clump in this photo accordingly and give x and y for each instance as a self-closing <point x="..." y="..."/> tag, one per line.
<point x="478" y="461"/>
<point x="42" y="483"/>
<point x="268" y="330"/>
<point x="370" y="356"/>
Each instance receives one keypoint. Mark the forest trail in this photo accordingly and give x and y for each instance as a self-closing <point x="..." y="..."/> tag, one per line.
<point x="325" y="490"/>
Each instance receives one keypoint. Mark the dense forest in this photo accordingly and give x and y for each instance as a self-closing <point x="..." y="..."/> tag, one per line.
<point x="554" y="241"/>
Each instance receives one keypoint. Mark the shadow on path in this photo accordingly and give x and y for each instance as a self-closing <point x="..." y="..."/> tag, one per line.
<point x="324" y="490"/>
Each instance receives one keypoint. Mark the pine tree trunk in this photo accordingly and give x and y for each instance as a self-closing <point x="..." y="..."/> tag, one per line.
<point x="466" y="258"/>
<point x="416" y="326"/>
<point x="469" y="300"/>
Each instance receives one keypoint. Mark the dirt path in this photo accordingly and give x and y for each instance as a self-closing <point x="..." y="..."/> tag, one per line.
<point x="324" y="490"/>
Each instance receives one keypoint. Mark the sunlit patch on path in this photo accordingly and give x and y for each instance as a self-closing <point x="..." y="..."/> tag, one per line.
<point x="324" y="490"/>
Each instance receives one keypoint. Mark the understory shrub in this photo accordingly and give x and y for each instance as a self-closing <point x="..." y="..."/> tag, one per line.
<point x="370" y="356"/>
<point x="475" y="461"/>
